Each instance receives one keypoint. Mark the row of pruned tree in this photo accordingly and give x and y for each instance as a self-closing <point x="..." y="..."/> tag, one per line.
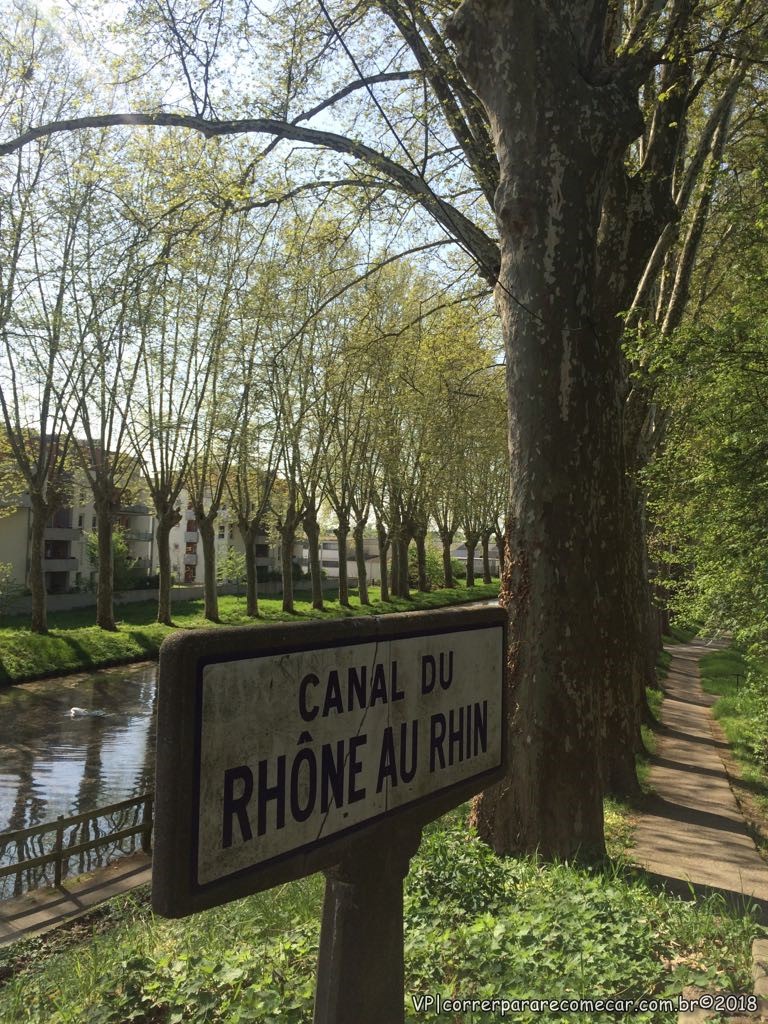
<point x="154" y="342"/>
<point x="573" y="152"/>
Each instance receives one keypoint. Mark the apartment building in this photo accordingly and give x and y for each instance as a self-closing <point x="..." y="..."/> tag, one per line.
<point x="188" y="558"/>
<point x="329" y="559"/>
<point x="66" y="561"/>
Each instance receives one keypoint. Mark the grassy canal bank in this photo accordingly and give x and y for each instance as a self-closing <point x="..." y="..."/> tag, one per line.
<point x="75" y="644"/>
<point x="477" y="926"/>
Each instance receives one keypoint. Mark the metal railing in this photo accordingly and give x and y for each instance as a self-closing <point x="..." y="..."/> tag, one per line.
<point x="28" y="856"/>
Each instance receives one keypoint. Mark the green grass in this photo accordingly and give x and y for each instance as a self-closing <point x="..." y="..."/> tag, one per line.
<point x="742" y="710"/>
<point x="74" y="643"/>
<point x="476" y="926"/>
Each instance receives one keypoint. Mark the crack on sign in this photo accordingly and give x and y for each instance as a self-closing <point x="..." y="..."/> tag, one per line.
<point x="361" y="723"/>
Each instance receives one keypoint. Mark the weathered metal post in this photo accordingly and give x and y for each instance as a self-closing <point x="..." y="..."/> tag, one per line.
<point x="360" y="974"/>
<point x="58" y="850"/>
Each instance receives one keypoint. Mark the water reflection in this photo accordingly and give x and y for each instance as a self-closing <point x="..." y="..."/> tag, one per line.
<point x="52" y="763"/>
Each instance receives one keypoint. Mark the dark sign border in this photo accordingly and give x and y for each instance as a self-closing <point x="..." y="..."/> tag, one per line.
<point x="183" y="657"/>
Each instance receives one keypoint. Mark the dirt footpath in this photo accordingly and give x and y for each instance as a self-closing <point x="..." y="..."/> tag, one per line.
<point x="693" y="833"/>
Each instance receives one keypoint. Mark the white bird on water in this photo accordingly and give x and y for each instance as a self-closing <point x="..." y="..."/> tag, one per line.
<point x="85" y="713"/>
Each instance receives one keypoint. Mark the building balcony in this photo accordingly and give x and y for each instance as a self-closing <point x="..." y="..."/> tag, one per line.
<point x="60" y="565"/>
<point x="63" y="533"/>
<point x="139" y="536"/>
<point x="190" y="559"/>
<point x="191" y="536"/>
<point x="134" y="510"/>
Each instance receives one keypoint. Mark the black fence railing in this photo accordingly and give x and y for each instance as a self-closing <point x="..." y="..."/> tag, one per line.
<point x="44" y="854"/>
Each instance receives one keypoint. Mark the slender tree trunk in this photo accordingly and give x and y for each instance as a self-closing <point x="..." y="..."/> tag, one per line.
<point x="485" y="540"/>
<point x="342" y="535"/>
<point x="394" y="542"/>
<point x="384" y="542"/>
<point x="312" y="530"/>
<point x="287" y="537"/>
<point x="105" y="585"/>
<point x="362" y="570"/>
<point x="165" y="523"/>
<point x="502" y="553"/>
<point x="251" y="579"/>
<point x="402" y="563"/>
<point x="472" y="540"/>
<point x="420" y="536"/>
<point x="446" y="538"/>
<point x="559" y="134"/>
<point x="206" y="526"/>
<point x="38" y="519"/>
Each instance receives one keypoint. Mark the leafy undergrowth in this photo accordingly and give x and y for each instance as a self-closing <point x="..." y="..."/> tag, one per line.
<point x="476" y="926"/>
<point x="741" y="684"/>
<point x="74" y="643"/>
<point x="680" y="634"/>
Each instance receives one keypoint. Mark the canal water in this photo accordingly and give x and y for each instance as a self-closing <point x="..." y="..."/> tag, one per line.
<point x="55" y="763"/>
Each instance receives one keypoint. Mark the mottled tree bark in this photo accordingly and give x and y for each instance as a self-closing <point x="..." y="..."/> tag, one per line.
<point x="559" y="132"/>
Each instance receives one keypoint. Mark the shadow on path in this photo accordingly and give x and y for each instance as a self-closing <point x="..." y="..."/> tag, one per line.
<point x="691" y="835"/>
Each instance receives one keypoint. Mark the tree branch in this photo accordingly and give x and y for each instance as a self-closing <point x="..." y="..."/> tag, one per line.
<point x="467" y="234"/>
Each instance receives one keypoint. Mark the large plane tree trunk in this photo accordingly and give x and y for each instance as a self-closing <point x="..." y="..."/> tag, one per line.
<point x="559" y="133"/>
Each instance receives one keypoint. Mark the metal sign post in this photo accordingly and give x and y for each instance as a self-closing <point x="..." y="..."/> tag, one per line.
<point x="326" y="746"/>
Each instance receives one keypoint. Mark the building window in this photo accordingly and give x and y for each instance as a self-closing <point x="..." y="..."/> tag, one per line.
<point x="191" y="548"/>
<point x="189" y="574"/>
<point x="222" y="531"/>
<point x="80" y="522"/>
<point x="192" y="525"/>
<point x="93" y="522"/>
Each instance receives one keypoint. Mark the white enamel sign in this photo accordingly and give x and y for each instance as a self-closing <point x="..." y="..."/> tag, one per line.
<point x="297" y="747"/>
